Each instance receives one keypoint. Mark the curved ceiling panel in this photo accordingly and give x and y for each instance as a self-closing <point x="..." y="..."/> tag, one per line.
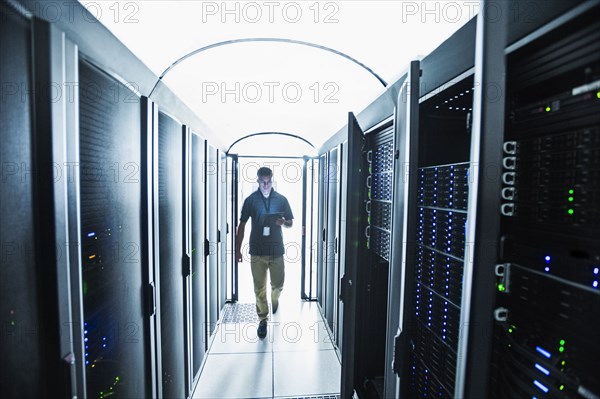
<point x="383" y="35"/>
<point x="254" y="87"/>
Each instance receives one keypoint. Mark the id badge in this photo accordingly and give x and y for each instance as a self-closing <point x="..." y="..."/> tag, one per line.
<point x="266" y="231"/>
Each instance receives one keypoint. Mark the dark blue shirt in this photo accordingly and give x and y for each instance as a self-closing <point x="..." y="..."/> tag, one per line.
<point x="256" y="206"/>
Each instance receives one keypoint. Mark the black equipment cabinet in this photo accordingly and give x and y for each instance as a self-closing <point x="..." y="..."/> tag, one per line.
<point x="115" y="345"/>
<point x="171" y="256"/>
<point x="438" y="241"/>
<point x="20" y="301"/>
<point x="548" y="295"/>
<point x="332" y="237"/>
<point x="198" y="264"/>
<point x="373" y="273"/>
<point x="434" y="154"/>
<point x="212" y="237"/>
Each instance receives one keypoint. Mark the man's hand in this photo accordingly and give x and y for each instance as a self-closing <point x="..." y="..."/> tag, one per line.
<point x="283" y="222"/>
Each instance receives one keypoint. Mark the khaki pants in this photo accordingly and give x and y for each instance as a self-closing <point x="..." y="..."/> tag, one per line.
<point x="260" y="265"/>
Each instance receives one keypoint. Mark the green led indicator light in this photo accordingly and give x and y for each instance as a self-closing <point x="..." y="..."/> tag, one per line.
<point x="598" y="94"/>
<point x="561" y="349"/>
<point x="570" y="199"/>
<point x="501" y="287"/>
<point x="571" y="211"/>
<point x="571" y="191"/>
<point x="563" y="363"/>
<point x="562" y="387"/>
<point x="548" y="109"/>
<point x="510" y="330"/>
<point x="562" y="341"/>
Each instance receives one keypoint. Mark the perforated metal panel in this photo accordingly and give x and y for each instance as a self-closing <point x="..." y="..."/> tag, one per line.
<point x="110" y="143"/>
<point x="240" y="313"/>
<point x="380" y="189"/>
<point x="442" y="194"/>
<point x="170" y="188"/>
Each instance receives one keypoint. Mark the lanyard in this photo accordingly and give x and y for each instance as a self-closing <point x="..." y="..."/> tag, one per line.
<point x="266" y="203"/>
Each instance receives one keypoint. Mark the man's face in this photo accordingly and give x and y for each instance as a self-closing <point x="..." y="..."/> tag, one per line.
<point x="265" y="183"/>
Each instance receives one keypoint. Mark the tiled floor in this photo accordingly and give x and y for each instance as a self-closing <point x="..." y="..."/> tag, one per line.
<point x="296" y="359"/>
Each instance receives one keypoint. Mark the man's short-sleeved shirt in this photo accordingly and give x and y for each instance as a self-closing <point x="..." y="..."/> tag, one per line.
<point x="256" y="206"/>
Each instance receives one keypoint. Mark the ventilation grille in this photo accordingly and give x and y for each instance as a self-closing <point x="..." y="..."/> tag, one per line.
<point x="240" y="313"/>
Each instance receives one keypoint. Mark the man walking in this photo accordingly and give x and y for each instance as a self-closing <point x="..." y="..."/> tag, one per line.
<point x="269" y="211"/>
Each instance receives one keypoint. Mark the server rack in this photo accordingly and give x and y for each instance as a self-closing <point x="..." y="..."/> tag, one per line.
<point x="439" y="242"/>
<point x="312" y="180"/>
<point x="198" y="277"/>
<point x="224" y="261"/>
<point x="111" y="235"/>
<point x="331" y="243"/>
<point x="342" y="235"/>
<point x="372" y="287"/>
<point x="436" y="191"/>
<point x="35" y="278"/>
<point x="171" y="247"/>
<point x="322" y="237"/>
<point x="352" y="283"/>
<point x="548" y="299"/>
<point x="211" y="243"/>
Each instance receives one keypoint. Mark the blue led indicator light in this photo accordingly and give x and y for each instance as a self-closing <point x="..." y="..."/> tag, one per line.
<point x="546" y="269"/>
<point x="542" y="369"/>
<point x="91" y="234"/>
<point x="540" y="386"/>
<point x="595" y="284"/>
<point x="543" y="352"/>
<point x="547" y="258"/>
<point x="595" y="270"/>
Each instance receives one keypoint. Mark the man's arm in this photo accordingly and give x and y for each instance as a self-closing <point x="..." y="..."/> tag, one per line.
<point x="239" y="237"/>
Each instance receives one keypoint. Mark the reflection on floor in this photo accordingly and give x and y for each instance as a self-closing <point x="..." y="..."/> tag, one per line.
<point x="296" y="360"/>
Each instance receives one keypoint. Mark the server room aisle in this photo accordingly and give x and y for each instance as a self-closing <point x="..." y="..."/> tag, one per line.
<point x="296" y="359"/>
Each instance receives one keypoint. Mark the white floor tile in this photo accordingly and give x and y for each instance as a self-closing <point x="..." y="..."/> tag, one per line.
<point x="236" y="376"/>
<point x="240" y="338"/>
<point x="306" y="373"/>
<point x="300" y="336"/>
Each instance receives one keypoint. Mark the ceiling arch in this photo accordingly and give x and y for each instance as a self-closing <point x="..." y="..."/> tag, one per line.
<point x="261" y="143"/>
<point x="267" y="39"/>
<point x="295" y="136"/>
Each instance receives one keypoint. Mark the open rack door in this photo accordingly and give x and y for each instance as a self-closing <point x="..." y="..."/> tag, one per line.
<point x="355" y="227"/>
<point x="406" y="131"/>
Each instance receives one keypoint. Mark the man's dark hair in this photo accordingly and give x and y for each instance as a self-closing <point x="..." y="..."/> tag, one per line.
<point x="264" y="171"/>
